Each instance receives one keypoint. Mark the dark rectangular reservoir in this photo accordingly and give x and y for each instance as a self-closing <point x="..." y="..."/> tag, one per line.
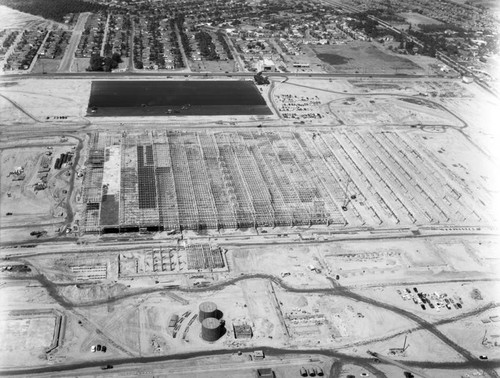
<point x="176" y="98"/>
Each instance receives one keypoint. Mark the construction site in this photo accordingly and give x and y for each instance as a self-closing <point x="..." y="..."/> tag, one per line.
<point x="274" y="296"/>
<point x="350" y="234"/>
<point x="174" y="181"/>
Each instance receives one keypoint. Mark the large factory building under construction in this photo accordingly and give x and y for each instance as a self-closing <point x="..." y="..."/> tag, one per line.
<point x="174" y="181"/>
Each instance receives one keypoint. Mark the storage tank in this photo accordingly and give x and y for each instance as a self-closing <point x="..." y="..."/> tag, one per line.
<point x="212" y="329"/>
<point x="207" y="310"/>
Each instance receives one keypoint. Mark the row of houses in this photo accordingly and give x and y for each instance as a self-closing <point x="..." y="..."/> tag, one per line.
<point x="7" y="39"/>
<point x="154" y="41"/>
<point x="25" y="50"/>
<point x="55" y="44"/>
<point x="196" y="51"/>
<point x="118" y="35"/>
<point x="92" y="37"/>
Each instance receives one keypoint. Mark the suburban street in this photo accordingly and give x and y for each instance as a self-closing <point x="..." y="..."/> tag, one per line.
<point x="69" y="54"/>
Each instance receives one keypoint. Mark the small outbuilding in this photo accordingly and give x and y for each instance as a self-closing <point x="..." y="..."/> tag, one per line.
<point x="265" y="373"/>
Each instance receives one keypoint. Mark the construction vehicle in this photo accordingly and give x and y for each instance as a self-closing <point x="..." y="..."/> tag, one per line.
<point x="40" y="186"/>
<point x="16" y="172"/>
<point x="38" y="233"/>
<point x="405" y="368"/>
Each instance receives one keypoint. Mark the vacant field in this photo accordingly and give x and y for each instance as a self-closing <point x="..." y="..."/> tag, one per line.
<point x="46" y="66"/>
<point x="363" y="57"/>
<point x="334" y="59"/>
<point x="44" y="99"/>
<point x="212" y="66"/>
<point x="13" y="19"/>
<point x="24" y="339"/>
<point x="419" y="19"/>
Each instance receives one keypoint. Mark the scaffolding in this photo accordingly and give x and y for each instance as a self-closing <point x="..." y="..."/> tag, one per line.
<point x="203" y="257"/>
<point x="176" y="180"/>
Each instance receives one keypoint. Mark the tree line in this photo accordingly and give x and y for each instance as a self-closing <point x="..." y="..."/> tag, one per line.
<point x="53" y="9"/>
<point x="207" y="47"/>
<point x="106" y="64"/>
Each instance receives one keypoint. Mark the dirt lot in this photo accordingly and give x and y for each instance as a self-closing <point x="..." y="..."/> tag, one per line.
<point x="212" y="66"/>
<point x="45" y="99"/>
<point x="10" y="115"/>
<point x="46" y="66"/>
<point x="24" y="339"/>
<point x="364" y="57"/>
<point x="419" y="19"/>
<point x="24" y="208"/>
<point x="13" y="19"/>
<point x="279" y="316"/>
<point x="358" y="263"/>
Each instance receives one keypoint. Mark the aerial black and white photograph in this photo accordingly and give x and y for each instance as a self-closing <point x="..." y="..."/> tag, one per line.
<point x="250" y="188"/>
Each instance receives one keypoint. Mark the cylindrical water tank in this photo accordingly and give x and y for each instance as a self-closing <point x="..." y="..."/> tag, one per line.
<point x="211" y="329"/>
<point x="207" y="310"/>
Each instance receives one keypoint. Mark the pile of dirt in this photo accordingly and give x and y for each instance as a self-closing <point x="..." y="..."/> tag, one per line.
<point x="85" y="293"/>
<point x="476" y="294"/>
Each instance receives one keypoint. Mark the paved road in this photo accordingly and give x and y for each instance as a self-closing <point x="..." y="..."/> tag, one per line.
<point x="278" y="352"/>
<point x="67" y="60"/>
<point x="35" y="59"/>
<point x="336" y="289"/>
<point x="106" y="31"/>
<point x="235" y="53"/>
<point x="181" y="49"/>
<point x="149" y="74"/>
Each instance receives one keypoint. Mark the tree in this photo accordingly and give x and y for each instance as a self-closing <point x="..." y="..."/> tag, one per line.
<point x="53" y="9"/>
<point x="96" y="62"/>
<point x="117" y="58"/>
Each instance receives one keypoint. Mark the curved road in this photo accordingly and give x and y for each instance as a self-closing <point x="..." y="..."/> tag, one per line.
<point x="471" y="360"/>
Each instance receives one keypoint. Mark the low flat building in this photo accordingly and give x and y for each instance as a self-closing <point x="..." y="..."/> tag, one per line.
<point x="265" y="373"/>
<point x="243" y="331"/>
